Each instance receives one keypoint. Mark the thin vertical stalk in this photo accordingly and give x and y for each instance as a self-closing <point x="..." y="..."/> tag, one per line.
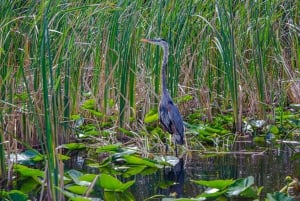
<point x="50" y="139"/>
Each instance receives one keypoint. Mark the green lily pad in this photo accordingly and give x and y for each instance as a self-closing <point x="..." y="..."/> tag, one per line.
<point x="240" y="185"/>
<point x="74" y="146"/>
<point x="80" y="190"/>
<point x="219" y="184"/>
<point x="15" y="195"/>
<point x="29" y="172"/>
<point x="110" y="183"/>
<point x="278" y="196"/>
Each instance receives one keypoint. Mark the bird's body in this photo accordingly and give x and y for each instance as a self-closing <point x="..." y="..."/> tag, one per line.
<point x="169" y="115"/>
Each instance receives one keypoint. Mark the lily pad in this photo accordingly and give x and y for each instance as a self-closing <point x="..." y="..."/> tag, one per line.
<point x="110" y="183"/>
<point x="240" y="185"/>
<point x="218" y="184"/>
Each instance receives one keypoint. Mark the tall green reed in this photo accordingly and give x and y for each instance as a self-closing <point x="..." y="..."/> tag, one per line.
<point x="225" y="42"/>
<point x="49" y="104"/>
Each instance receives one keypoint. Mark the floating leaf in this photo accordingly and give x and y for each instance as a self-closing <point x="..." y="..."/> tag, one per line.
<point x="211" y="194"/>
<point x="76" y="175"/>
<point x="113" y="148"/>
<point x="240" y="185"/>
<point x="29" y="185"/>
<point x="63" y="157"/>
<point x="80" y="190"/>
<point x="29" y="172"/>
<point x="87" y="177"/>
<point x="110" y="183"/>
<point x="134" y="170"/>
<point x="74" y="146"/>
<point x="219" y="184"/>
<point x="75" y="197"/>
<point x="278" y="196"/>
<point x="15" y="195"/>
<point x="134" y="160"/>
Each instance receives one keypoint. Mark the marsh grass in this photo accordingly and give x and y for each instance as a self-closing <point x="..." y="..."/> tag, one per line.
<point x="228" y="55"/>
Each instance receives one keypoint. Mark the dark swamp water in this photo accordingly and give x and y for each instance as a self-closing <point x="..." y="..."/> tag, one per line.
<point x="268" y="167"/>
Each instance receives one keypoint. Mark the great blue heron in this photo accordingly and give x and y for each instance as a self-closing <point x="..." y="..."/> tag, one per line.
<point x="169" y="114"/>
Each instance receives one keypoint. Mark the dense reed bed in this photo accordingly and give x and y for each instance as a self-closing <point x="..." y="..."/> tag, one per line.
<point x="239" y="56"/>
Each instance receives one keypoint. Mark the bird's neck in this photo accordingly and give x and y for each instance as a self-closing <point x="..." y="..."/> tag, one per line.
<point x="163" y="70"/>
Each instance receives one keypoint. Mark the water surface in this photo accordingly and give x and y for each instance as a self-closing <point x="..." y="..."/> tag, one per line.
<point x="269" y="167"/>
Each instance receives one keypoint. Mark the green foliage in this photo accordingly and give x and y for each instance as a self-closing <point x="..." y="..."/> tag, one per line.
<point x="28" y="172"/>
<point x="151" y="116"/>
<point x="277" y="196"/>
<point x="229" y="188"/>
<point x="74" y="146"/>
<point x="110" y="183"/>
<point x="15" y="195"/>
<point x="219" y="184"/>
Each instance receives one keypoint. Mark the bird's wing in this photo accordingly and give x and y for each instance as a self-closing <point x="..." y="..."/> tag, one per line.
<point x="176" y="122"/>
<point x="165" y="119"/>
<point x="175" y="118"/>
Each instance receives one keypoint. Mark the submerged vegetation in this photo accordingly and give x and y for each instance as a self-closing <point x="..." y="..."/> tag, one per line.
<point x="76" y="81"/>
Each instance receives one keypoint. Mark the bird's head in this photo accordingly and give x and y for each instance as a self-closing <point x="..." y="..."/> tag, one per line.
<point x="157" y="41"/>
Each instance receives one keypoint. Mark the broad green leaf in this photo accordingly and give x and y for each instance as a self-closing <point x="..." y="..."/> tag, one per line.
<point x="76" y="175"/>
<point x="296" y="156"/>
<point x="219" y="184"/>
<point x="250" y="192"/>
<point x="89" y="104"/>
<point x="239" y="186"/>
<point x="134" y="160"/>
<point x="109" y="195"/>
<point x="210" y="195"/>
<point x="184" y="98"/>
<point x="87" y="177"/>
<point x="151" y="116"/>
<point x="110" y="148"/>
<point x="29" y="185"/>
<point x="274" y="129"/>
<point x="134" y="170"/>
<point x="110" y="183"/>
<point x="75" y="197"/>
<point x="80" y="190"/>
<point x="149" y="170"/>
<point x="16" y="195"/>
<point x="63" y="157"/>
<point x="96" y="113"/>
<point x="278" y="196"/>
<point x="29" y="172"/>
<point x="74" y="146"/>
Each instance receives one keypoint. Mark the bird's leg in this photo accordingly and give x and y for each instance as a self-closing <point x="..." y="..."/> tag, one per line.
<point x="166" y="145"/>
<point x="176" y="149"/>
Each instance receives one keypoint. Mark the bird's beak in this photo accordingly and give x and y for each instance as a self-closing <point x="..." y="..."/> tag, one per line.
<point x="145" y="40"/>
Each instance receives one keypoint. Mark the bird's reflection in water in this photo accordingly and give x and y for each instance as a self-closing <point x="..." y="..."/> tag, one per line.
<point x="174" y="176"/>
